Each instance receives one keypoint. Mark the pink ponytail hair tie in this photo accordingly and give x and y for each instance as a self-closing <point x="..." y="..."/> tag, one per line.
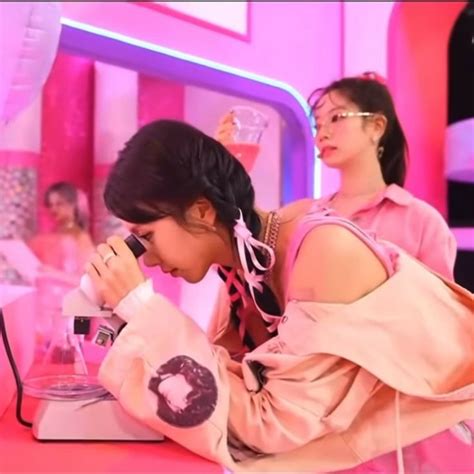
<point x="373" y="76"/>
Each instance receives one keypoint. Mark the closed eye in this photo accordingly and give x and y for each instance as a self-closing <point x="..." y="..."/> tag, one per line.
<point x="148" y="236"/>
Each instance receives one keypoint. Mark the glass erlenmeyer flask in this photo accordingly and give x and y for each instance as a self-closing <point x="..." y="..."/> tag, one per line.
<point x="61" y="373"/>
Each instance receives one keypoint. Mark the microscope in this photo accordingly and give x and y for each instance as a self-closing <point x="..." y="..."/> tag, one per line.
<point x="81" y="409"/>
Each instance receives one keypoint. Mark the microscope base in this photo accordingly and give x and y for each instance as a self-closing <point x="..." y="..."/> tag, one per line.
<point x="88" y="420"/>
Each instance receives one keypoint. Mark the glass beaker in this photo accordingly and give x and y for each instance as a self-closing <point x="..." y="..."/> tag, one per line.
<point x="249" y="125"/>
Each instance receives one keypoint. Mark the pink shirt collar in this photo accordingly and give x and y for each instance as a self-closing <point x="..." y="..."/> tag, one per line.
<point x="392" y="192"/>
<point x="397" y="194"/>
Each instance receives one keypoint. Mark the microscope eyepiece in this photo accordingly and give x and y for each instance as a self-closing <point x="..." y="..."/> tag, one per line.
<point x="137" y="248"/>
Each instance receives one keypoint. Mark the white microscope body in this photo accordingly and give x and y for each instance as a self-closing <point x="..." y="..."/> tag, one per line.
<point x="99" y="417"/>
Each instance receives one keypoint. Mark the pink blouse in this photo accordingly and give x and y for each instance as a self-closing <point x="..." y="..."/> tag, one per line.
<point x="412" y="224"/>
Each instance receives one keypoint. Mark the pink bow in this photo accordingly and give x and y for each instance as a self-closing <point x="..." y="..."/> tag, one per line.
<point x="245" y="240"/>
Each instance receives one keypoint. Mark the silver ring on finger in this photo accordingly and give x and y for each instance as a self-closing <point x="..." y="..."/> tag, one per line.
<point x="108" y="256"/>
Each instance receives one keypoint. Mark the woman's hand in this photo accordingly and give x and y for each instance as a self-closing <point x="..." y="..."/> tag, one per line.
<point x="114" y="271"/>
<point x="225" y="129"/>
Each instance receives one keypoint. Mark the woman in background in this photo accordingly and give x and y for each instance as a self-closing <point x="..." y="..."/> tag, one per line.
<point x="371" y="194"/>
<point x="372" y="169"/>
<point x="68" y="246"/>
<point x="63" y="252"/>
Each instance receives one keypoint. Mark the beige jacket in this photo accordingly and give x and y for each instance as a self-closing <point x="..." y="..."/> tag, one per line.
<point x="339" y="385"/>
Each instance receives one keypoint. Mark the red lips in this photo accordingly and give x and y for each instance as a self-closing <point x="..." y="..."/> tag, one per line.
<point x="327" y="150"/>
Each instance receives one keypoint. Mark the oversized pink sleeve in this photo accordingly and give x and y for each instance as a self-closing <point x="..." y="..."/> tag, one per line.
<point x="270" y="402"/>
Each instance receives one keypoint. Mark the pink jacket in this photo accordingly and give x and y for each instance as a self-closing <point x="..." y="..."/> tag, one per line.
<point x="341" y="383"/>
<point x="412" y="224"/>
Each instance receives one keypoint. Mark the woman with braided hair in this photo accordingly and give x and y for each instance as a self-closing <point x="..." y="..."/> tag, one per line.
<point x="331" y="354"/>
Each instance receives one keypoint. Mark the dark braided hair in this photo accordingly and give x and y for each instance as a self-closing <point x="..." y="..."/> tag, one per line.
<point x="166" y="166"/>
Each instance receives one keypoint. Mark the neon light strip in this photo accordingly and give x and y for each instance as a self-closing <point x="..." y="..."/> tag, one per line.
<point x="206" y="63"/>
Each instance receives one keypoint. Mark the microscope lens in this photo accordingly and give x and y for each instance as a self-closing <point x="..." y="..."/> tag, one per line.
<point x="135" y="245"/>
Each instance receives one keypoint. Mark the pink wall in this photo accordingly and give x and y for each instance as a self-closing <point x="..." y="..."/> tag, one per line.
<point x="295" y="42"/>
<point x="417" y="74"/>
<point x="299" y="43"/>
<point x="365" y="36"/>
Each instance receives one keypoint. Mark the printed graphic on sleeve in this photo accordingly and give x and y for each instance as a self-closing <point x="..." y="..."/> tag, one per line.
<point x="186" y="391"/>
